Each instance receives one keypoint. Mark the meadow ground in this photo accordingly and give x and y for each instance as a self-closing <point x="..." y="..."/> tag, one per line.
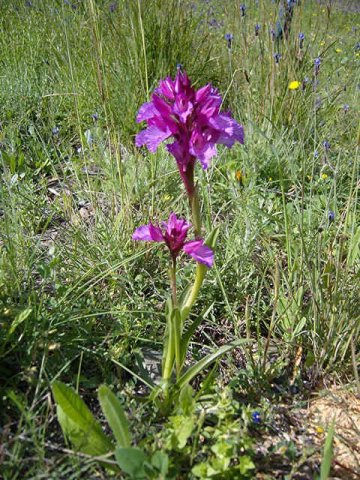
<point x="83" y="303"/>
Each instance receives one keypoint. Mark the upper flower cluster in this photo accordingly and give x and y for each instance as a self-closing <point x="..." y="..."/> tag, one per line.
<point x="192" y="118"/>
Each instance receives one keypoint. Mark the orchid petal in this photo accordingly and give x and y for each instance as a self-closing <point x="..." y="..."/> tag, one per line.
<point x="148" y="233"/>
<point x="200" y="252"/>
<point x="152" y="137"/>
<point x="146" y="111"/>
<point x="230" y="131"/>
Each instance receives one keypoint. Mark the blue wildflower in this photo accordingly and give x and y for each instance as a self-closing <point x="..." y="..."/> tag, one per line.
<point x="326" y="145"/>
<point x="228" y="38"/>
<point x="214" y="23"/>
<point x="256" y="417"/>
<point x="301" y="38"/>
<point x="346" y="108"/>
<point x="112" y="7"/>
<point x="243" y="9"/>
<point x="55" y="131"/>
<point x="95" y="116"/>
<point x="304" y="83"/>
<point x="257" y="29"/>
<point x="277" y="57"/>
<point x="331" y="216"/>
<point x="317" y="63"/>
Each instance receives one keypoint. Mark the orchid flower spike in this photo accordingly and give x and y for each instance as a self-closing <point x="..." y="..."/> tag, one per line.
<point x="192" y="119"/>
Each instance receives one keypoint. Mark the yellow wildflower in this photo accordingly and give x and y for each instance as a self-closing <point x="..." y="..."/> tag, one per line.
<point x="239" y="177"/>
<point x="338" y="50"/>
<point x="294" y="85"/>
<point x="319" y="430"/>
<point x="322" y="43"/>
<point x="324" y="176"/>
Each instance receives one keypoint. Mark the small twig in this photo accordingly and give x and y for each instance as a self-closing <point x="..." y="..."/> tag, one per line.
<point x="58" y="448"/>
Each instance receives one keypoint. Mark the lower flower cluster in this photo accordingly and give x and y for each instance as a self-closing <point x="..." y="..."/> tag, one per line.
<point x="173" y="234"/>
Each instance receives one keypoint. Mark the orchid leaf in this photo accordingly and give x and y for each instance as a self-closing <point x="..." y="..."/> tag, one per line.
<point x="114" y="414"/>
<point x="206" y="361"/>
<point x="211" y="239"/>
<point x="78" y="423"/>
<point x="176" y="321"/>
<point x="191" y="330"/>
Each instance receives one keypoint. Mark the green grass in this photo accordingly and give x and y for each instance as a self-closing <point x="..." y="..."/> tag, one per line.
<point x="78" y="296"/>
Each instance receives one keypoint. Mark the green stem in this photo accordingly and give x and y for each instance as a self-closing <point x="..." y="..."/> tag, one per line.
<point x="174" y="328"/>
<point x="195" y="211"/>
<point x="172" y="275"/>
<point x="194" y="292"/>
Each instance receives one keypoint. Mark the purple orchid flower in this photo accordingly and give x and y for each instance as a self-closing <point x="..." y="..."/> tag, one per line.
<point x="174" y="234"/>
<point x="192" y="118"/>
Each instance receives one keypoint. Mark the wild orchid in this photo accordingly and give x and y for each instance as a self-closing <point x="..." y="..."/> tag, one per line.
<point x="192" y="120"/>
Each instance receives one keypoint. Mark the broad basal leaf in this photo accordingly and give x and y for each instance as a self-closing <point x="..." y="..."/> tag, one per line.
<point x="114" y="413"/>
<point x="78" y="423"/>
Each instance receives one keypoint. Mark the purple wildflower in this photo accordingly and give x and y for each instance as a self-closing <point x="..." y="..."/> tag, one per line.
<point x="301" y="38"/>
<point x="228" y="38"/>
<point x="192" y="118"/>
<point x="95" y="116"/>
<point x="112" y="7"/>
<point x="346" y="108"/>
<point x="331" y="216"/>
<point x="316" y="153"/>
<point x="174" y="233"/>
<point x="317" y="63"/>
<point x="257" y="30"/>
<point x="243" y="9"/>
<point x="55" y="131"/>
<point x="277" y="57"/>
<point x="273" y="34"/>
